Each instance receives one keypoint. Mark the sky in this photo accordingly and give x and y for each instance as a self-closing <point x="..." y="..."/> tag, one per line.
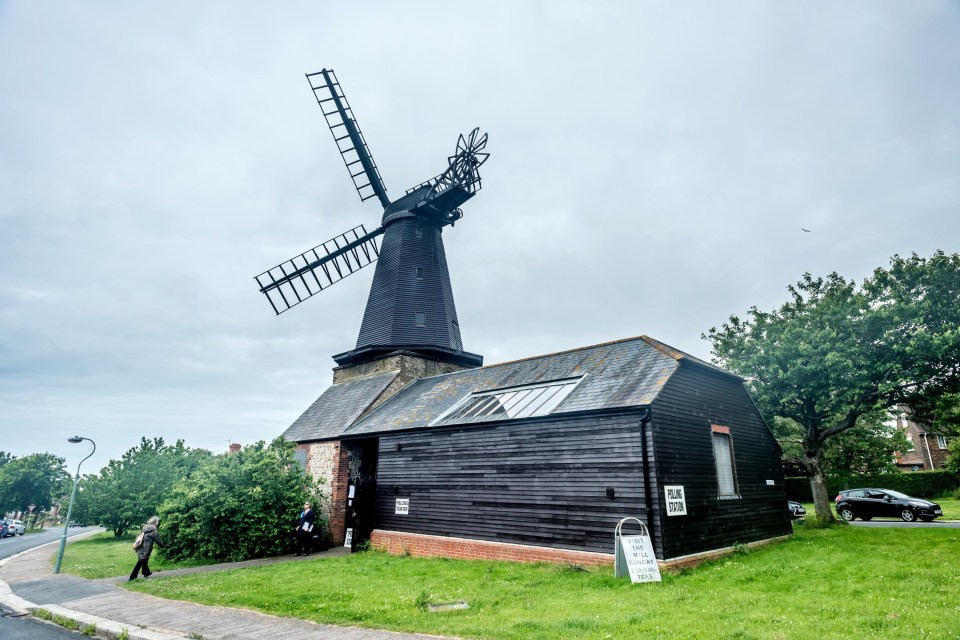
<point x="652" y="167"/>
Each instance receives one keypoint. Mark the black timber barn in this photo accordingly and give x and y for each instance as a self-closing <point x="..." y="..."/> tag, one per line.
<point x="538" y="459"/>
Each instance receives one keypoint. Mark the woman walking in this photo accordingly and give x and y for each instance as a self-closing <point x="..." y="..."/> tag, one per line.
<point x="149" y="538"/>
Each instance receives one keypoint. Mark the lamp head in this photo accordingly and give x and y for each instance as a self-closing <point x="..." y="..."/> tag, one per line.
<point x="75" y="439"/>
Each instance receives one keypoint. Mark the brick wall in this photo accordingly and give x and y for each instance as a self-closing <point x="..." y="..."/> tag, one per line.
<point x="320" y="463"/>
<point x="421" y="545"/>
<point x="329" y="463"/>
<point x="339" y="486"/>
<point x="415" y="544"/>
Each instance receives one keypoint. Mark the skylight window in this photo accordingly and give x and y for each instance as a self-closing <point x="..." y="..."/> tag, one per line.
<point x="509" y="404"/>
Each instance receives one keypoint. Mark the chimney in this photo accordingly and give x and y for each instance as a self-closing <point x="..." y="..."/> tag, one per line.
<point x="234" y="448"/>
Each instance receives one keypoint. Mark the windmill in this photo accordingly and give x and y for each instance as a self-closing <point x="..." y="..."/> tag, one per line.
<point x="410" y="306"/>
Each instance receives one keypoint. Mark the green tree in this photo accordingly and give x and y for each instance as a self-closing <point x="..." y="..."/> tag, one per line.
<point x="868" y="449"/>
<point x="128" y="491"/>
<point x="39" y="479"/>
<point x="837" y="352"/>
<point x="237" y="506"/>
<point x="940" y="414"/>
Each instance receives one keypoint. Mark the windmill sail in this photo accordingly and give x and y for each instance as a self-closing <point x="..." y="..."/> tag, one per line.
<point x="350" y="141"/>
<point x="290" y="283"/>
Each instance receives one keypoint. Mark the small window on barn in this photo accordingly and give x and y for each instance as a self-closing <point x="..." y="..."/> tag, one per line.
<point x="726" y="465"/>
<point x="906" y="434"/>
<point x="508" y="404"/>
<point x="942" y="442"/>
<point x="420" y="319"/>
<point x="300" y="455"/>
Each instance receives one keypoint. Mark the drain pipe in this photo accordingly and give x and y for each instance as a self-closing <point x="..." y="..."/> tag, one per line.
<point x="926" y="444"/>
<point x="647" y="495"/>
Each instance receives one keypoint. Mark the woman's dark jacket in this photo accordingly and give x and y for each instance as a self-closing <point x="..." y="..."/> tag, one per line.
<point x="150" y="538"/>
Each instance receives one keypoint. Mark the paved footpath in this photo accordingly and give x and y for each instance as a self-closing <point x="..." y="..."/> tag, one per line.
<point x="27" y="582"/>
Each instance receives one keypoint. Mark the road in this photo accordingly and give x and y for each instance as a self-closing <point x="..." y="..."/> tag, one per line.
<point x="28" y="628"/>
<point x="14" y="545"/>
<point x="14" y="627"/>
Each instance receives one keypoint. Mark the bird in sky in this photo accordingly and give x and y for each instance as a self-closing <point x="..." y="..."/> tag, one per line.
<point x="804" y="230"/>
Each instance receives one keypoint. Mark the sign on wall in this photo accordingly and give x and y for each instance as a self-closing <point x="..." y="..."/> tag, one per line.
<point x="403" y="507"/>
<point x="676" y="501"/>
<point x="348" y="538"/>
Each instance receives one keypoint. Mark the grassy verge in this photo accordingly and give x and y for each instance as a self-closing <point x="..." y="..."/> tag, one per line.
<point x="103" y="556"/>
<point x="951" y="508"/>
<point x="840" y="582"/>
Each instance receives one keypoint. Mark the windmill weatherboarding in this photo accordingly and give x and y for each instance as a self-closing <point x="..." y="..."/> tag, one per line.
<point x="410" y="306"/>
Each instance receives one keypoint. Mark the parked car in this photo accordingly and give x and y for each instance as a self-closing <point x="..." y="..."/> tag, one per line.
<point x="796" y="509"/>
<point x="867" y="504"/>
<point x="4" y="529"/>
<point x="16" y="527"/>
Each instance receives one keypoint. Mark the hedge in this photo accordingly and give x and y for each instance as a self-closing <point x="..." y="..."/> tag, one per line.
<point x="922" y="484"/>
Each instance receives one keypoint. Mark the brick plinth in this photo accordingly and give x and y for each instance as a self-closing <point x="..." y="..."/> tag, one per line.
<point x="414" y="544"/>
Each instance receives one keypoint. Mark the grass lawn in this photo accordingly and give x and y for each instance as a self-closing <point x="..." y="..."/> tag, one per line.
<point x="103" y="556"/>
<point x="841" y="582"/>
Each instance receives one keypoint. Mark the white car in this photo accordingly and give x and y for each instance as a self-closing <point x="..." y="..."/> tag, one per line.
<point x="16" y="527"/>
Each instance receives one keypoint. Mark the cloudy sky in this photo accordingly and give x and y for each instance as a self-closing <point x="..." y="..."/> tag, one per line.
<point x="652" y="165"/>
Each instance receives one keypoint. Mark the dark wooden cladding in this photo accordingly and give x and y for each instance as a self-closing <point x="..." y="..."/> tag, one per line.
<point x="539" y="482"/>
<point x="692" y="400"/>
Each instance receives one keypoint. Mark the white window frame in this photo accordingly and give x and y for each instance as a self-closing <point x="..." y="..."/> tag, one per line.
<point x="553" y="403"/>
<point x="941" y="441"/>
<point x="727" y="486"/>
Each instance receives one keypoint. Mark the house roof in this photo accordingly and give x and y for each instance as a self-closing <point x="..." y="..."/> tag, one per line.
<point x="625" y="373"/>
<point x="338" y="407"/>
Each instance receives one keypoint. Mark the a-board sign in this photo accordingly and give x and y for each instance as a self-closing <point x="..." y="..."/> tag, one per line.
<point x="403" y="507"/>
<point x="348" y="538"/>
<point x="638" y="556"/>
<point x="675" y="500"/>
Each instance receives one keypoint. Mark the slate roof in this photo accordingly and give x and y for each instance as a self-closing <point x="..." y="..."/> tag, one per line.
<point x="338" y="407"/>
<point x="620" y="374"/>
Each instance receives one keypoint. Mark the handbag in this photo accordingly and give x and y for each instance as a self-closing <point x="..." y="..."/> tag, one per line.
<point x="138" y="542"/>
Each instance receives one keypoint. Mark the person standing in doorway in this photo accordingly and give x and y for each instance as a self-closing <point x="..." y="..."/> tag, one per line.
<point x="148" y="537"/>
<point x="305" y="530"/>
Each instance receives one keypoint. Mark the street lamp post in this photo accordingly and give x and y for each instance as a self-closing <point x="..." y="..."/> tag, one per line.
<point x="66" y="523"/>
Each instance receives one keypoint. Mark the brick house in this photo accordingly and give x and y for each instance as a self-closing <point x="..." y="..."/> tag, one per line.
<point x="927" y="451"/>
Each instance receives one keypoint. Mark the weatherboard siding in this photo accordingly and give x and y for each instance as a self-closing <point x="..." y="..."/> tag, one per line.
<point x="691" y="401"/>
<point x="537" y="482"/>
<point x="396" y="294"/>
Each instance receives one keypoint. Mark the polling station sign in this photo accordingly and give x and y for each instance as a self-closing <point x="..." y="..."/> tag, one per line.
<point x="675" y="500"/>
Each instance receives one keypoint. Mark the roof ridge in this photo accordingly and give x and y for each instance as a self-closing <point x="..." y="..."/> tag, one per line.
<point x="557" y="353"/>
<point x="679" y="355"/>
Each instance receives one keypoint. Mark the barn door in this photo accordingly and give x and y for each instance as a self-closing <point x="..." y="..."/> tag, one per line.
<point x="363" y="487"/>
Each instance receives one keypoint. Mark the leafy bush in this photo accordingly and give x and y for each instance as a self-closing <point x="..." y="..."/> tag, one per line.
<point x="237" y="506"/>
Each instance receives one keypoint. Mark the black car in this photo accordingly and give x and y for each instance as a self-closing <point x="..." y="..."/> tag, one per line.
<point x="867" y="504"/>
<point x="5" y="529"/>
<point x="796" y="509"/>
